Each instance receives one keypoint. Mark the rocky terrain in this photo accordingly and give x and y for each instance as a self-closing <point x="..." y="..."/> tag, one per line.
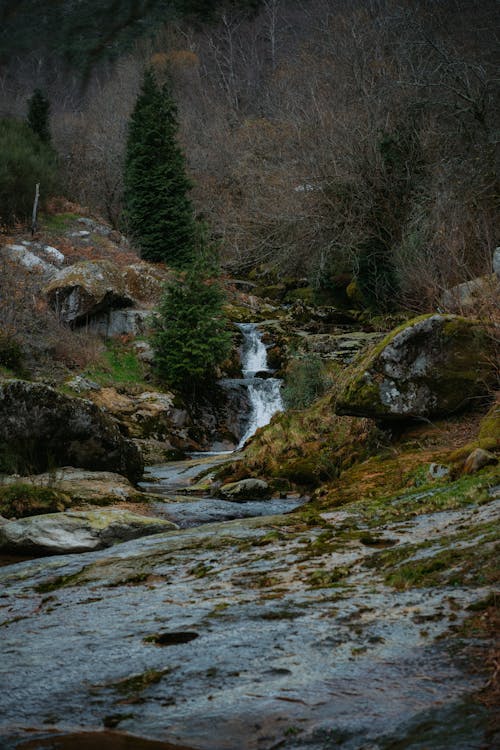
<point x="331" y="585"/>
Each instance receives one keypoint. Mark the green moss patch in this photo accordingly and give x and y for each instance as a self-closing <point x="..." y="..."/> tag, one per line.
<point x="20" y="500"/>
<point x="118" y="364"/>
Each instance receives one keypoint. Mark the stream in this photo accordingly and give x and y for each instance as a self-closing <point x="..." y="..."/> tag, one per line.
<point x="239" y="631"/>
<point x="173" y="479"/>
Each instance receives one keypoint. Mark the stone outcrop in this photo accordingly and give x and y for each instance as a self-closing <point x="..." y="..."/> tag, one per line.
<point x="145" y="281"/>
<point x="340" y="347"/>
<point x="245" y="490"/>
<point x="496" y="261"/>
<point x="76" y="531"/>
<point x="23" y="255"/>
<point x="148" y="415"/>
<point x="431" y="366"/>
<point x="85" y="289"/>
<point x="476" y="295"/>
<point x="83" y="486"/>
<point x="42" y="428"/>
<point x="127" y="322"/>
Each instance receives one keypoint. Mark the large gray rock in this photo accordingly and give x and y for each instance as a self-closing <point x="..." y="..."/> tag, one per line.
<point x="42" y="428"/>
<point x="24" y="256"/>
<point x="76" y="531"/>
<point x="128" y="322"/>
<point x="475" y="295"/>
<point x="87" y="288"/>
<point x="432" y="366"/>
<point x="246" y="489"/>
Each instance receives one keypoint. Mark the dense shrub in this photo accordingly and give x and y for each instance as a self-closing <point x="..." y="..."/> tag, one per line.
<point x="306" y="380"/>
<point x="24" y="161"/>
<point x="191" y="336"/>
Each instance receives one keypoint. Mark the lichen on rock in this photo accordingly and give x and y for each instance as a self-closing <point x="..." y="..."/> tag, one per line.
<point x="431" y="366"/>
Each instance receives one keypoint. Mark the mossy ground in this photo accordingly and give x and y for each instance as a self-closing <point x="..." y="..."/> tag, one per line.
<point x="20" y="500"/>
<point x="118" y="365"/>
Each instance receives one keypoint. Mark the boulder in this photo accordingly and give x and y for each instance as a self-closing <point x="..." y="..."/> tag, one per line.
<point x="42" y="428"/>
<point x="87" y="288"/>
<point x="341" y="347"/>
<point x="474" y="295"/>
<point x="145" y="281"/>
<point x="245" y="490"/>
<point x="76" y="531"/>
<point x="148" y="415"/>
<point x="23" y="256"/>
<point x="83" y="486"/>
<point x="128" y="322"/>
<point x="431" y="366"/>
<point x="478" y="459"/>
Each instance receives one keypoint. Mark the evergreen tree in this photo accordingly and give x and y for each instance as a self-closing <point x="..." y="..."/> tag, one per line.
<point x="38" y="115"/>
<point x="157" y="207"/>
<point x="191" y="336"/>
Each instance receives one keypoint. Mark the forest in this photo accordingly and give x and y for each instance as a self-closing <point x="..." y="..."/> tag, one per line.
<point x="342" y="140"/>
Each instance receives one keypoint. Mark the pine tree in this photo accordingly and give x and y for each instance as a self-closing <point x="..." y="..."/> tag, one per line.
<point x="38" y="115"/>
<point x="191" y="336"/>
<point x="158" y="210"/>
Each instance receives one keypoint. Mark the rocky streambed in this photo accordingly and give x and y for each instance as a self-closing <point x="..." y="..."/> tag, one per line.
<point x="312" y="630"/>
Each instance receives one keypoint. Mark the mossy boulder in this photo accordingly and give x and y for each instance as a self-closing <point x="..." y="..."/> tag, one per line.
<point x="432" y="366"/>
<point x="64" y="488"/>
<point x="245" y="490"/>
<point x="84" y="289"/>
<point x="41" y="428"/>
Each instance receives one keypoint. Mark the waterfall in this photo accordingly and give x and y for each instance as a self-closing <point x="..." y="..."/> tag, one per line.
<point x="264" y="392"/>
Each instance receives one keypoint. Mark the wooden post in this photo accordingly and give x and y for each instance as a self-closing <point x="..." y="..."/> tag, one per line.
<point x="35" y="209"/>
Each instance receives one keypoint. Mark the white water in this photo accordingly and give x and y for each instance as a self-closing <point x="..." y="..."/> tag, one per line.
<point x="264" y="393"/>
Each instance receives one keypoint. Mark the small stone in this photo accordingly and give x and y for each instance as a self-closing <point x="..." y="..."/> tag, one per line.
<point x="53" y="253"/>
<point x="245" y="490"/>
<point x="80" y="384"/>
<point x="477" y="460"/>
<point x="437" y="471"/>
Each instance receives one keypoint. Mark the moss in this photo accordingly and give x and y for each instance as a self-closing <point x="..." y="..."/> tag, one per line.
<point x="72" y="579"/>
<point x="301" y="471"/>
<point x="20" y="500"/>
<point x="319" y="579"/>
<point x="455" y="379"/>
<point x="119" y="364"/>
<point x="379" y="490"/>
<point x="305" y="294"/>
<point x="57" y="222"/>
<point x="468" y="557"/>
<point x="474" y="565"/>
<point x="137" y="683"/>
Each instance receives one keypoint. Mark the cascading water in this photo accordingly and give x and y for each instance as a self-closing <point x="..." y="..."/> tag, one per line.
<point x="264" y="393"/>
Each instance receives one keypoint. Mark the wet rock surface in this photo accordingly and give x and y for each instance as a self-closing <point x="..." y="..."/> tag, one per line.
<point x="256" y="634"/>
<point x="75" y="531"/>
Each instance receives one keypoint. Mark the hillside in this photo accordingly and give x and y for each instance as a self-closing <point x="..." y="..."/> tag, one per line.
<point x="249" y="375"/>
